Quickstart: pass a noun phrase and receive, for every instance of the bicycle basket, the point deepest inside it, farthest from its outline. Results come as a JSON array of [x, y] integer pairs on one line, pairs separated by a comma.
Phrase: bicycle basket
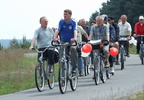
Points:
[[56, 56], [96, 44]]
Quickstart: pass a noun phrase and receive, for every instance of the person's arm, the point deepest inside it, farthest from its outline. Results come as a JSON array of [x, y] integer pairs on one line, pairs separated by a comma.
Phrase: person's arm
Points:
[[55, 38], [32, 44], [91, 33], [107, 33], [86, 36], [129, 29], [75, 33]]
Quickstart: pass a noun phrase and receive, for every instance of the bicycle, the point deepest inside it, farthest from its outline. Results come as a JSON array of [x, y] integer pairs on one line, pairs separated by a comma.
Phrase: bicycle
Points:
[[86, 61], [98, 61], [141, 51], [42, 74], [122, 41], [65, 69]]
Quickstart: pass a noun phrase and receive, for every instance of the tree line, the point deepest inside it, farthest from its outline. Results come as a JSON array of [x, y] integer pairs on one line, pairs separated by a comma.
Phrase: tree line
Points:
[[14, 44], [115, 8]]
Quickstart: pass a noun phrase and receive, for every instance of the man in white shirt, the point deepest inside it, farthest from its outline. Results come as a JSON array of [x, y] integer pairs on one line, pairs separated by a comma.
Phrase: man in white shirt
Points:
[[125, 30]]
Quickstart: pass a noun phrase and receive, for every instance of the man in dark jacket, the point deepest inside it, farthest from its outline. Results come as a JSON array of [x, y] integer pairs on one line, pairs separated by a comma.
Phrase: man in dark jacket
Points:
[[116, 27]]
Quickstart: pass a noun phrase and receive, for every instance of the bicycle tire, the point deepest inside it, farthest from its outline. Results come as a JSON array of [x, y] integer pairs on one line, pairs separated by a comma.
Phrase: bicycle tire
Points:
[[62, 77], [122, 58], [96, 71], [74, 80], [102, 71], [39, 77], [142, 55], [88, 66], [51, 78], [85, 66]]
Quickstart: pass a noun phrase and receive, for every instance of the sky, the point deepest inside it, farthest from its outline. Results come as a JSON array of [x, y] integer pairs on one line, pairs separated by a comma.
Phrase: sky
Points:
[[20, 18]]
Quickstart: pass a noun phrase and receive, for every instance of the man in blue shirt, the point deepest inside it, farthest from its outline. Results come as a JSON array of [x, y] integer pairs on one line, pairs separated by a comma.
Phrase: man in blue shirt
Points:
[[67, 29]]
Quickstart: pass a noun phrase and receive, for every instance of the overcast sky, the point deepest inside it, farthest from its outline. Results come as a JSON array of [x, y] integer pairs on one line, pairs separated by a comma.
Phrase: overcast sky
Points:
[[20, 18]]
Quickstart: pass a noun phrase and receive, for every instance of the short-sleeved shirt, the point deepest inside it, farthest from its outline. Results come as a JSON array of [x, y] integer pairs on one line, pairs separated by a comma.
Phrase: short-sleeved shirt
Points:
[[139, 28], [44, 37], [124, 28], [99, 33], [67, 29], [80, 32]]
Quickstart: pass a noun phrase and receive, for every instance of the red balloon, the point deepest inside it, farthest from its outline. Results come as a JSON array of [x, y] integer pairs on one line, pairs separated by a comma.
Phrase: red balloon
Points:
[[113, 51], [86, 48]]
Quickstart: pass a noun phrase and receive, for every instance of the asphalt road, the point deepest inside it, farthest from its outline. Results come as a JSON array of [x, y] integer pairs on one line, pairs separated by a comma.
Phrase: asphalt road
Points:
[[123, 83]]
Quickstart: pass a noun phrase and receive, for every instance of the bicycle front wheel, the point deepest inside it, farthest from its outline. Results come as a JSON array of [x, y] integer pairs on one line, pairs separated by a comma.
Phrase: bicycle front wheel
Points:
[[39, 77], [62, 77], [122, 58], [142, 55], [74, 80], [51, 78], [96, 71], [85, 65]]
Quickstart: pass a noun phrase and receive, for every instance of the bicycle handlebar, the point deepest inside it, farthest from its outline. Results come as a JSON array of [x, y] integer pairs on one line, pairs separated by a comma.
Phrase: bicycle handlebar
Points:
[[43, 50], [65, 43]]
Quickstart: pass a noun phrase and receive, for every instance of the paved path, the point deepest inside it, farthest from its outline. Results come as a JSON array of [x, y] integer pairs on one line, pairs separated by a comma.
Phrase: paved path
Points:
[[124, 82]]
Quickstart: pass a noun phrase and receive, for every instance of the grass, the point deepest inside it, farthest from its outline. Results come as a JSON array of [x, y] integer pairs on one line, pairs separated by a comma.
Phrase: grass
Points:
[[17, 71]]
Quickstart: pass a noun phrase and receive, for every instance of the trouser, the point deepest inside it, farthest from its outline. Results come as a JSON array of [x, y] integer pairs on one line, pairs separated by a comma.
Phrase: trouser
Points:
[[126, 44], [105, 52], [72, 51], [48, 55], [138, 43], [80, 64]]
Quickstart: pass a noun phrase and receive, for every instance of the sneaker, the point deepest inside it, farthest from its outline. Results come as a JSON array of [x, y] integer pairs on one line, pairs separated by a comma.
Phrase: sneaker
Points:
[[50, 69], [117, 63], [128, 55], [74, 70], [112, 69], [92, 67], [107, 64], [80, 73]]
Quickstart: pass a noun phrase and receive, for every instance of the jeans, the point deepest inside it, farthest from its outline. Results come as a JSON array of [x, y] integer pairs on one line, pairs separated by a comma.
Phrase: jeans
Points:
[[80, 64]]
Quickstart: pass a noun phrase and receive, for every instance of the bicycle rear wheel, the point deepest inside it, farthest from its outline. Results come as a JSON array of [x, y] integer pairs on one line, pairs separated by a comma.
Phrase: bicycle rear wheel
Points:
[[103, 71], [51, 78], [39, 77], [96, 71], [62, 77], [74, 80]]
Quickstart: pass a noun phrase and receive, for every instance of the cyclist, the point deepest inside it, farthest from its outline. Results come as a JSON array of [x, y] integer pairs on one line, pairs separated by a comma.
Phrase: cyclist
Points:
[[68, 32], [43, 36], [112, 34], [81, 32], [83, 24], [116, 27], [139, 30], [125, 30], [101, 31]]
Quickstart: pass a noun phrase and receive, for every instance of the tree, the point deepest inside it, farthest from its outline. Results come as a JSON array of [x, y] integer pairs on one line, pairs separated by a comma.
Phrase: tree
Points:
[[131, 8], [1, 47], [14, 44], [25, 43]]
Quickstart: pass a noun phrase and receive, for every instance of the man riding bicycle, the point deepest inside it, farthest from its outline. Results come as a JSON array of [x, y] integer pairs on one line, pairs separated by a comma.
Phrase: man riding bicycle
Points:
[[101, 31], [125, 30], [67, 29], [139, 30], [43, 36]]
